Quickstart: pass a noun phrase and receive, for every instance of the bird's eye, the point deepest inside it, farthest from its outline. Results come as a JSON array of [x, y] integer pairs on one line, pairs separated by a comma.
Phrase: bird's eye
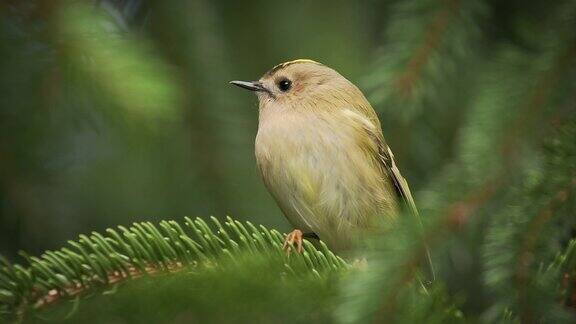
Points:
[[284, 85]]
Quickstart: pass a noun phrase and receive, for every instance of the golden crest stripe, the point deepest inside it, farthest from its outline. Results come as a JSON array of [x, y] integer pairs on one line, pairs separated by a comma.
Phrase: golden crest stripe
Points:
[[285, 64]]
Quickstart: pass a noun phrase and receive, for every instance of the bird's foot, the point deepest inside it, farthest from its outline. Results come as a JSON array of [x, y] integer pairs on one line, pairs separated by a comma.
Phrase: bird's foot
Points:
[[360, 264], [293, 238]]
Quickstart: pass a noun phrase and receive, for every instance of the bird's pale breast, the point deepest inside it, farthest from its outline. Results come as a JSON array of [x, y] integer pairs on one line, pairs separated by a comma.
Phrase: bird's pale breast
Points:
[[324, 174]]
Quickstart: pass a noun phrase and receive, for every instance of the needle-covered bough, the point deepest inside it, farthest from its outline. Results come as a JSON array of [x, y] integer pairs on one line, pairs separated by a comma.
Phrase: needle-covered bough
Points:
[[97, 261]]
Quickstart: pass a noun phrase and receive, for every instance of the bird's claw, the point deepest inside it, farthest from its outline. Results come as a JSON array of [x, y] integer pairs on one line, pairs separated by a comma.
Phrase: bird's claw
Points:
[[293, 238]]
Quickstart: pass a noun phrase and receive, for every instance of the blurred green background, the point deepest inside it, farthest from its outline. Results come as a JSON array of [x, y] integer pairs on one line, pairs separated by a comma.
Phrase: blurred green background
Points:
[[118, 111]]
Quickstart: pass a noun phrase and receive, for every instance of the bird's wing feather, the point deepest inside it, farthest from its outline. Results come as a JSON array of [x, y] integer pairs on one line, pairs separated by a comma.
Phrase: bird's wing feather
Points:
[[403, 190], [386, 159], [400, 184], [384, 154]]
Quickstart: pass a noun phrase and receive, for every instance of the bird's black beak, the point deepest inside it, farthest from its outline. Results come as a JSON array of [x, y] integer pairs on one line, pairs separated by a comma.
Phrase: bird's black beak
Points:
[[250, 85]]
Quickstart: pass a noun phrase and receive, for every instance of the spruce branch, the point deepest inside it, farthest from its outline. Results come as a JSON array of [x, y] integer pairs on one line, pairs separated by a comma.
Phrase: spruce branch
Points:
[[565, 264], [434, 32], [458, 213], [527, 245], [98, 261], [520, 239], [418, 67]]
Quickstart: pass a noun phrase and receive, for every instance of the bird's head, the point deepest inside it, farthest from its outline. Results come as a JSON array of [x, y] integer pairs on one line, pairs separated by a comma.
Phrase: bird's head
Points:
[[302, 84]]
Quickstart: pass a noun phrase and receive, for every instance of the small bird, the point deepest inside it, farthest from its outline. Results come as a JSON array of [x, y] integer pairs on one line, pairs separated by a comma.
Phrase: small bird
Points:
[[322, 155]]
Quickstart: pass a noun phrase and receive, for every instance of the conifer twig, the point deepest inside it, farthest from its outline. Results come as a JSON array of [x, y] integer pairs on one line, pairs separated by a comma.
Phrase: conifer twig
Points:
[[406, 81], [98, 261], [529, 240]]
